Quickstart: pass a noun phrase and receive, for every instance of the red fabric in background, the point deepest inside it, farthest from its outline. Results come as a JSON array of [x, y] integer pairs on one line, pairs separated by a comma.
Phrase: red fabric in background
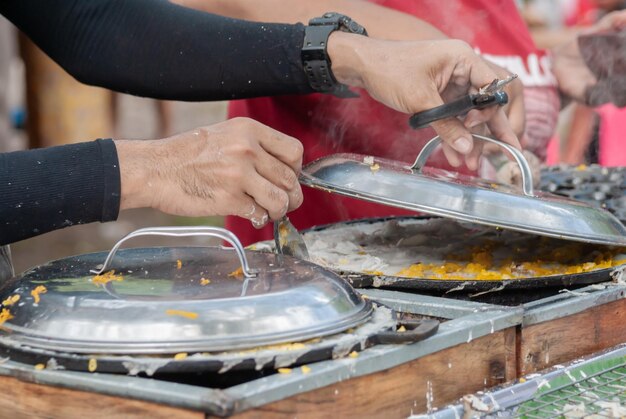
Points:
[[584, 14], [612, 129], [327, 125]]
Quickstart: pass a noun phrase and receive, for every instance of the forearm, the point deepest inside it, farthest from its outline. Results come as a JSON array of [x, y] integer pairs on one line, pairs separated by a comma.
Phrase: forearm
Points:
[[550, 38], [158, 49], [47, 189], [381, 22]]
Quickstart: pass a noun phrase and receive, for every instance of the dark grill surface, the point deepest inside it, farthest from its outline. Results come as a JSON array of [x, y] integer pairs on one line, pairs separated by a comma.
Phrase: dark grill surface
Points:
[[603, 187], [595, 394]]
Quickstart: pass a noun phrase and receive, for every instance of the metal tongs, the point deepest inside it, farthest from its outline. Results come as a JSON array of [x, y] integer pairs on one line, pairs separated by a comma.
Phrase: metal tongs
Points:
[[489, 95], [288, 240]]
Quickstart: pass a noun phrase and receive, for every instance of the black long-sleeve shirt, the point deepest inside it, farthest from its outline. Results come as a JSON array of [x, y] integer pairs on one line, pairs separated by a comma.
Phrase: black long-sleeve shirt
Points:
[[147, 48]]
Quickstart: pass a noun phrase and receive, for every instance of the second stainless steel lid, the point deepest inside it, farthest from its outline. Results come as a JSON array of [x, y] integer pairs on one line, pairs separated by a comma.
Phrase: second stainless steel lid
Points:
[[447, 194], [176, 299]]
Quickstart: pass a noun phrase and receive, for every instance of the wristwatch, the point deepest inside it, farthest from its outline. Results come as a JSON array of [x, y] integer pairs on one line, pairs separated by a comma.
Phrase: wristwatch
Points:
[[315, 59]]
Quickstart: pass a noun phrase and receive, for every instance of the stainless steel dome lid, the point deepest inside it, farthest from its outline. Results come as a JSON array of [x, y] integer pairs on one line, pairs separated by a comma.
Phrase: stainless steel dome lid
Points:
[[447, 194], [175, 299]]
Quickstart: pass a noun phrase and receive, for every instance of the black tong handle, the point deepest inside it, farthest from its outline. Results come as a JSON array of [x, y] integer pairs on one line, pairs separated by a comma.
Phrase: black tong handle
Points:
[[457, 108], [416, 330]]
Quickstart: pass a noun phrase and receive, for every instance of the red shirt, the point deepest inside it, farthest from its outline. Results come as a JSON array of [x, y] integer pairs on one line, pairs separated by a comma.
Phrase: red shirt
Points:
[[327, 125]]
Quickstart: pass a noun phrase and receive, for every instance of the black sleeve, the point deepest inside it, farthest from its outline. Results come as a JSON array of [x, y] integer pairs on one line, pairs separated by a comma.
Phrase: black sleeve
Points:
[[47, 189], [158, 49]]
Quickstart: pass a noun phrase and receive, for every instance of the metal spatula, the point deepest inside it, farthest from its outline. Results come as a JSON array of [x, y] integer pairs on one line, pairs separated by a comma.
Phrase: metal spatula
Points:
[[288, 240]]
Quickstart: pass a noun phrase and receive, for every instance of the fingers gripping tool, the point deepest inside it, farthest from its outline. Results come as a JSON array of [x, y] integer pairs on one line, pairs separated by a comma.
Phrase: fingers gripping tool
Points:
[[489, 95]]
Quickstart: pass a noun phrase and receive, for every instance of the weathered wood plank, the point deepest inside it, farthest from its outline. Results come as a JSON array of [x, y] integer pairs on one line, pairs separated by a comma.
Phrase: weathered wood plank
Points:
[[27, 400], [434, 380], [558, 341]]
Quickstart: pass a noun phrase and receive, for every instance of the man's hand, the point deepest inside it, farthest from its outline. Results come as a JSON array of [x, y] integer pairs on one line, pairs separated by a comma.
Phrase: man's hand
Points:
[[413, 76], [237, 167]]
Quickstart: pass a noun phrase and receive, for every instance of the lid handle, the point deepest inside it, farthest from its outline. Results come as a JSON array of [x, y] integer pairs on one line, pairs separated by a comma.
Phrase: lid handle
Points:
[[184, 232], [527, 177]]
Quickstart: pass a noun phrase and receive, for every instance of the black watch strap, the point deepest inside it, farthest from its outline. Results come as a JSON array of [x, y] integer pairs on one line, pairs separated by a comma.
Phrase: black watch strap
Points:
[[315, 59]]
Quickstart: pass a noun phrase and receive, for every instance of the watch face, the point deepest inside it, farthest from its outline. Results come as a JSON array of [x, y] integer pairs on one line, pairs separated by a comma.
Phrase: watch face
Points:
[[339, 22], [317, 65]]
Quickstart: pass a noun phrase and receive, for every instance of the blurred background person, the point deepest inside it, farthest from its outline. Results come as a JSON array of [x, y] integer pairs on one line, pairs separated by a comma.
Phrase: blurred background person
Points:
[[425, 69], [597, 134], [327, 125], [586, 134]]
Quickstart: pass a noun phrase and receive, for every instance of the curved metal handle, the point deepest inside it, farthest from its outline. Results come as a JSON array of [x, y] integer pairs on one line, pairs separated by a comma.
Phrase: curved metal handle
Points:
[[527, 177], [184, 232]]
